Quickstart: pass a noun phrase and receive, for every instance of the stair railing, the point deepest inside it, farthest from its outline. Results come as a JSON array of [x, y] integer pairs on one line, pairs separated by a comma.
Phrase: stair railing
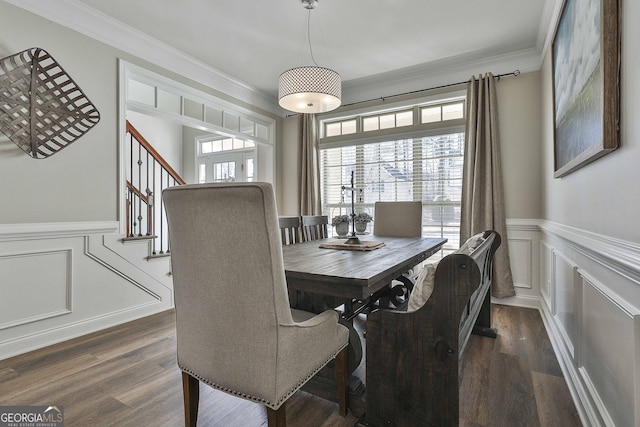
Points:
[[148, 173]]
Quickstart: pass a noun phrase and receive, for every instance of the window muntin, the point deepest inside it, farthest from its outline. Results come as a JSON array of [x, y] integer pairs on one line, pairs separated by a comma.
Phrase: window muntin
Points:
[[343, 127], [225, 144], [402, 117]]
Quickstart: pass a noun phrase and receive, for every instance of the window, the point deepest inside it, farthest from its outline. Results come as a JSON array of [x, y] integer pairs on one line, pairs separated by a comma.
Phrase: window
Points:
[[226, 144], [344, 127], [226, 160], [427, 166], [387, 121]]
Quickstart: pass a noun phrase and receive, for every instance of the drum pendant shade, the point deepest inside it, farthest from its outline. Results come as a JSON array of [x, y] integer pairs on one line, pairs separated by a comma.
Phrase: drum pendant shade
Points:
[[309, 89]]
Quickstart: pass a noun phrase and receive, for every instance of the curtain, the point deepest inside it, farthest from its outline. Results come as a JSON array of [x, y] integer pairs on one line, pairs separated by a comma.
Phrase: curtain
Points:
[[482, 190], [309, 167]]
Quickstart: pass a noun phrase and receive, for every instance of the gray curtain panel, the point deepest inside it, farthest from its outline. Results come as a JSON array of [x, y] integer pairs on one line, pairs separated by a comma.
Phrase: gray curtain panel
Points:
[[309, 167], [482, 190]]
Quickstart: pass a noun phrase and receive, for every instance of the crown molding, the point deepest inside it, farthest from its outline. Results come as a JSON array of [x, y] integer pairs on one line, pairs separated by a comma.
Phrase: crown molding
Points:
[[437, 73], [86, 20]]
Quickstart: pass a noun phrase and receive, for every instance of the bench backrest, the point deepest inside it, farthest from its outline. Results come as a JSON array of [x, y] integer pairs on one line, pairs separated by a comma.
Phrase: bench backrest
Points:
[[413, 357]]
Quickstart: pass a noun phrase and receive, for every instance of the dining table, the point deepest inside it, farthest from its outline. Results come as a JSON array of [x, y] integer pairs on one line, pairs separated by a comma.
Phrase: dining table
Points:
[[325, 273], [352, 273]]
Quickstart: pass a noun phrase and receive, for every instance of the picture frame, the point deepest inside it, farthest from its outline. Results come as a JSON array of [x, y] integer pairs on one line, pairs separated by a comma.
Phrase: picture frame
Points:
[[586, 83]]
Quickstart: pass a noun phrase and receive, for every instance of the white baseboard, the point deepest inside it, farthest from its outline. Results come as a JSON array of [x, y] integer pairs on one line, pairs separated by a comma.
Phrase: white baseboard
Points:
[[46, 338]]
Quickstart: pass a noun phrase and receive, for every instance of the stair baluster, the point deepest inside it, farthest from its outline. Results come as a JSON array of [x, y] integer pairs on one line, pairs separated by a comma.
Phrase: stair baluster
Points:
[[141, 200]]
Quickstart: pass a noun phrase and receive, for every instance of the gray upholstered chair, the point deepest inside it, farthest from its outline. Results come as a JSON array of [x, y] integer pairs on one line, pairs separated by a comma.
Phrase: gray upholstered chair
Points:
[[398, 219], [235, 330]]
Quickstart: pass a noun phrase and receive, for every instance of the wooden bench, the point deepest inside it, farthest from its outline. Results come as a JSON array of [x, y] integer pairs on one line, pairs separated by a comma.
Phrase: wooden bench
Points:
[[412, 358]]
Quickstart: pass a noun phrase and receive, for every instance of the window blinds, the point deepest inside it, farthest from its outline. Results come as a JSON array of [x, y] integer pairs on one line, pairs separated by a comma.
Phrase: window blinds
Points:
[[428, 169]]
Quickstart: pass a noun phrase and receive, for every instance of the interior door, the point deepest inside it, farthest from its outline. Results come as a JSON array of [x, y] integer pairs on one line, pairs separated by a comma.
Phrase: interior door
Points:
[[230, 167]]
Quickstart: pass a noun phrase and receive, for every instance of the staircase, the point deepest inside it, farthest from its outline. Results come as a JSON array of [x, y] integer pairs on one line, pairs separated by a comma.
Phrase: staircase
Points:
[[141, 255], [148, 173]]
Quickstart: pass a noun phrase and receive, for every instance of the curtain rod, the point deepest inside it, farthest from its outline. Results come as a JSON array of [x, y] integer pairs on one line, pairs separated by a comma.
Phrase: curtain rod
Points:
[[513, 73]]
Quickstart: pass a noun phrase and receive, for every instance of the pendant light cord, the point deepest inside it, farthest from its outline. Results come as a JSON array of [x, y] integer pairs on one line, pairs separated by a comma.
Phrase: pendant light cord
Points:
[[309, 37]]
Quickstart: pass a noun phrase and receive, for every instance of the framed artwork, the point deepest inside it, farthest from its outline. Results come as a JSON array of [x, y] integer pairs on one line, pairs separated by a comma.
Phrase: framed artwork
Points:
[[586, 83]]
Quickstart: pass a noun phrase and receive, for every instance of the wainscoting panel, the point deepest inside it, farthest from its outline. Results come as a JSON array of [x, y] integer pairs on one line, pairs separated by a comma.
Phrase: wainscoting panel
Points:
[[524, 252], [520, 251], [546, 265], [564, 305], [35, 286], [59, 281], [608, 358], [593, 320]]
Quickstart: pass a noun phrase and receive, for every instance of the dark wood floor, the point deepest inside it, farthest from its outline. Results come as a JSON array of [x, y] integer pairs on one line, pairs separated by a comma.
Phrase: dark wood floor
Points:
[[127, 376]]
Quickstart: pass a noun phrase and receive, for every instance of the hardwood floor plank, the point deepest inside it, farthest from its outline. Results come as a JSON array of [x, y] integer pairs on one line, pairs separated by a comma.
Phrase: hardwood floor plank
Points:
[[127, 376], [555, 408], [512, 401], [506, 323], [474, 399], [536, 343], [28, 385], [137, 395], [6, 374]]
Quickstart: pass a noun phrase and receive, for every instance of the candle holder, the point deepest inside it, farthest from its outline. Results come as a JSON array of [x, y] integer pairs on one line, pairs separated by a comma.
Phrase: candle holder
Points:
[[353, 238]]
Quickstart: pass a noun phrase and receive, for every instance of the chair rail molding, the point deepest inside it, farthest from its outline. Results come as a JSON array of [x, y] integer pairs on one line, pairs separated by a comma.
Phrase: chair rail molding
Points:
[[618, 255], [28, 231]]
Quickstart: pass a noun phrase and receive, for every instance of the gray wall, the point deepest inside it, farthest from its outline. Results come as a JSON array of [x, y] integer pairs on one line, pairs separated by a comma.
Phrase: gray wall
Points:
[[519, 123], [290, 167], [519, 108], [58, 189], [601, 197]]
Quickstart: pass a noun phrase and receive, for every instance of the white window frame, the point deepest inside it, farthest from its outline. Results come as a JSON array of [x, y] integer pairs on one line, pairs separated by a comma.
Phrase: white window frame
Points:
[[417, 130]]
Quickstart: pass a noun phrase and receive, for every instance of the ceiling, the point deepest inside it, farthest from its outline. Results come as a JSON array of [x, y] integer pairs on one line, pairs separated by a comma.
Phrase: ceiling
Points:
[[371, 44]]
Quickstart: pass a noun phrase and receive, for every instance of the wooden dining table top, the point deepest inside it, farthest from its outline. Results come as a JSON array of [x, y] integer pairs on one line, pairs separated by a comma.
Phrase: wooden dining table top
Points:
[[354, 273]]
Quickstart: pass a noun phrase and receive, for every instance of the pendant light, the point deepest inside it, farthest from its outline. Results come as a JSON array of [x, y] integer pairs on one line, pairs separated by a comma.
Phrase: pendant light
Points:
[[311, 88]]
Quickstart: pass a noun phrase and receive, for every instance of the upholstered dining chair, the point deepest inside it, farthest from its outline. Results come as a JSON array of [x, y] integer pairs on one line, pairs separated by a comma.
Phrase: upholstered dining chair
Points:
[[234, 328], [314, 227], [398, 219]]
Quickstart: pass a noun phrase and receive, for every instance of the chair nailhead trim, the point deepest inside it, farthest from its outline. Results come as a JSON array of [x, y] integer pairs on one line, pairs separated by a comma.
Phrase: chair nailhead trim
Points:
[[259, 399]]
